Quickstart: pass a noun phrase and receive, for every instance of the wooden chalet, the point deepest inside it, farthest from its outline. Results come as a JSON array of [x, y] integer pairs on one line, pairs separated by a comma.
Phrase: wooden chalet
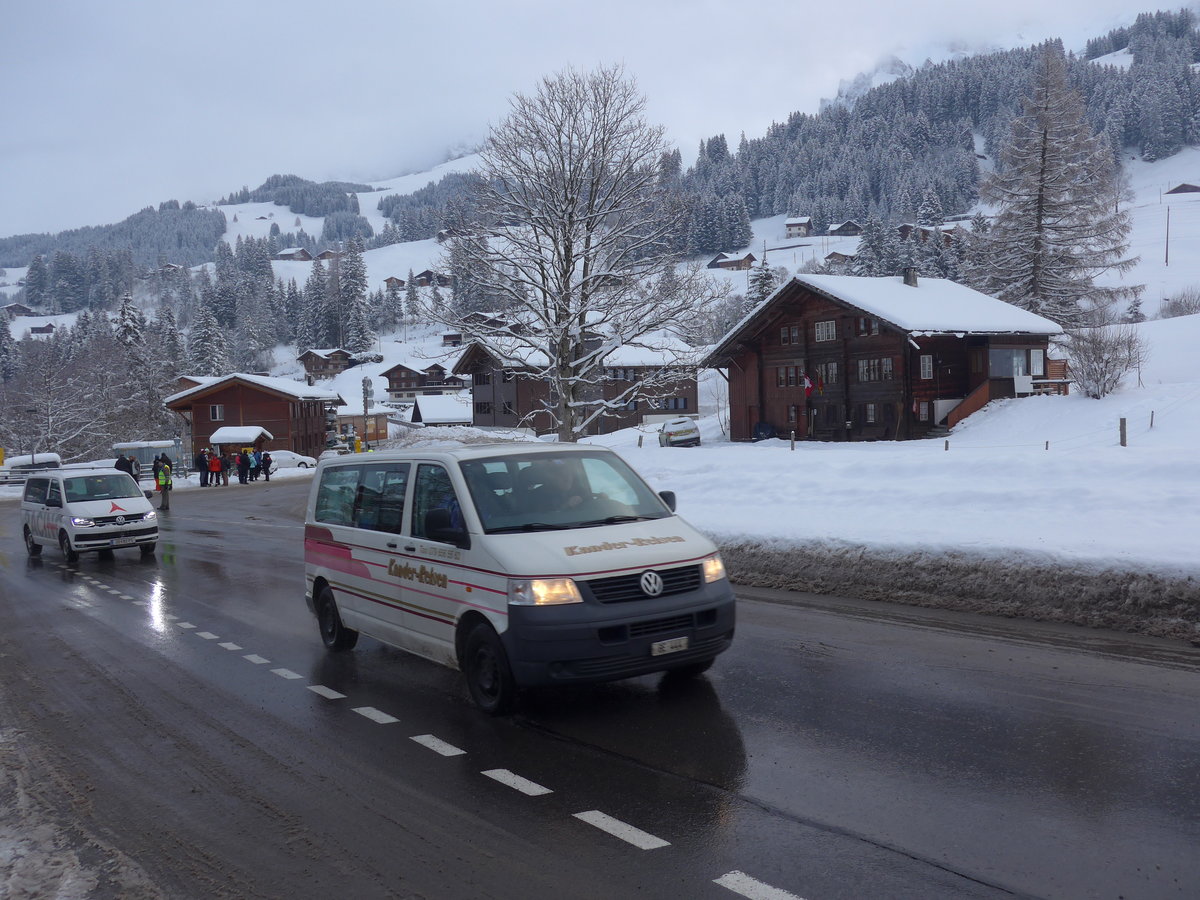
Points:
[[294, 413], [797, 226], [1184, 188], [429, 277], [294, 253], [509, 390], [738, 261], [13, 310], [923, 233], [329, 254], [409, 380], [325, 363], [845, 229], [394, 281], [839, 357]]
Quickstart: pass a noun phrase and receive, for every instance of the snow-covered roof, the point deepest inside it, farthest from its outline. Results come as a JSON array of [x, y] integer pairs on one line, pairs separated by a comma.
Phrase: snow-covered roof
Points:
[[443, 409], [325, 351], [288, 386], [659, 348], [239, 434], [798, 220], [933, 306]]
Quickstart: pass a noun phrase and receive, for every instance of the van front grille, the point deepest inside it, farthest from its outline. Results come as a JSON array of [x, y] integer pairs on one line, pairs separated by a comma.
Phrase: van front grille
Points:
[[624, 588]]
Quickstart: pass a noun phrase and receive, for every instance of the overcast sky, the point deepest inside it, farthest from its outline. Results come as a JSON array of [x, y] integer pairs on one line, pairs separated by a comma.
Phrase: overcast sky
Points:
[[109, 107]]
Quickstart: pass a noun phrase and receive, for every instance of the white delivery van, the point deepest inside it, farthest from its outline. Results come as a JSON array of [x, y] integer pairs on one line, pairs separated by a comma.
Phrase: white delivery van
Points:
[[82, 510], [520, 564]]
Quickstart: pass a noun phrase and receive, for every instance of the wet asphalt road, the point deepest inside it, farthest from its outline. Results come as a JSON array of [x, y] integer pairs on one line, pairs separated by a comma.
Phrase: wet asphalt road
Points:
[[180, 714]]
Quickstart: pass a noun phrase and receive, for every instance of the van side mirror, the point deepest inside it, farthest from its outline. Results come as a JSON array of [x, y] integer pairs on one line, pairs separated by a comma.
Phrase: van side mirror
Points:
[[668, 497], [438, 528], [149, 494]]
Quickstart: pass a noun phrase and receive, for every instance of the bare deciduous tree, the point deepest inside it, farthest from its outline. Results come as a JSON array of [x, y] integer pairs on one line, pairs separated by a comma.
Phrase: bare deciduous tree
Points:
[[1101, 356], [570, 236]]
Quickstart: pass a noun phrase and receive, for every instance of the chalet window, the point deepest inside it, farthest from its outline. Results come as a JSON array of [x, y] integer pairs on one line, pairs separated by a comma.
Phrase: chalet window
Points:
[[480, 378], [1037, 363], [791, 376], [216, 412], [826, 331], [483, 409], [887, 368], [631, 406], [1007, 362], [924, 411], [827, 373], [868, 325], [870, 413], [669, 403], [870, 369], [781, 376], [926, 366], [507, 408], [795, 334], [784, 335]]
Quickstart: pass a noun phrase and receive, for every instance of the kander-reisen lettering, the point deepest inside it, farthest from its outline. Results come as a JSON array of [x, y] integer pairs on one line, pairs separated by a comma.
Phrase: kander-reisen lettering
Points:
[[621, 545]]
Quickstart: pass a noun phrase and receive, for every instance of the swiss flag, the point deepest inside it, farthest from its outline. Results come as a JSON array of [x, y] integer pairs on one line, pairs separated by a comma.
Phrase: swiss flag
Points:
[[808, 386]]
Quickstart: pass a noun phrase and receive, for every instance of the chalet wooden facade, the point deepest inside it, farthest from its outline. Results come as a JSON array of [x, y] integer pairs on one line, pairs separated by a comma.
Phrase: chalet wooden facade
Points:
[[296, 415], [510, 392], [845, 229], [406, 381], [325, 363], [833, 357], [798, 226], [736, 261], [298, 254]]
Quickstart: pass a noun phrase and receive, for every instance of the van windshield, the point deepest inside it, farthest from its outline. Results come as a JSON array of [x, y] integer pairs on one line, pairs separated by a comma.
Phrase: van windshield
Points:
[[542, 491], [116, 486]]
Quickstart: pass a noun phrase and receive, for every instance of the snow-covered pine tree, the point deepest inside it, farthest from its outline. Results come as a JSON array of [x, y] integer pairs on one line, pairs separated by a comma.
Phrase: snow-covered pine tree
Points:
[[930, 212], [412, 299], [10, 360], [131, 325], [1058, 225], [762, 282], [207, 351]]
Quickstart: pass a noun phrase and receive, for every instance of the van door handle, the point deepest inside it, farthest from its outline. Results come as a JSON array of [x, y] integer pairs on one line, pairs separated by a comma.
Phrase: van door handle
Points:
[[391, 545], [410, 549]]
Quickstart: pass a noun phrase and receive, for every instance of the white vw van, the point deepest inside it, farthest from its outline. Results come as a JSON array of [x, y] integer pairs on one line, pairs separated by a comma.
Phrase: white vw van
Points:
[[520, 564], [80, 510]]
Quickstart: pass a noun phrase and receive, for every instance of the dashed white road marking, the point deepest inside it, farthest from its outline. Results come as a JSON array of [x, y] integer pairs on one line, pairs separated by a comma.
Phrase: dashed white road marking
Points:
[[286, 673], [327, 693], [375, 715], [207, 635], [619, 829], [229, 645], [185, 624], [140, 602], [741, 883], [256, 659], [127, 597], [112, 590], [437, 745], [516, 782]]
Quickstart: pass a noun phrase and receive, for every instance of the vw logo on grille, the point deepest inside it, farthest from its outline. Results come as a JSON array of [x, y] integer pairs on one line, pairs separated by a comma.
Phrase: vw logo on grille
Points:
[[120, 520], [652, 583]]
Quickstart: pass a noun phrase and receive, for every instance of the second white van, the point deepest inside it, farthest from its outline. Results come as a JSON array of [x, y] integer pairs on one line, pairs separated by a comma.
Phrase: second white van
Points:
[[519, 564]]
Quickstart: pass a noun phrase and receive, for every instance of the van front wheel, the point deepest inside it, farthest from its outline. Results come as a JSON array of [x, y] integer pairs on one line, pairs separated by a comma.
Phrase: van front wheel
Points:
[[335, 635], [68, 551], [489, 676], [32, 547]]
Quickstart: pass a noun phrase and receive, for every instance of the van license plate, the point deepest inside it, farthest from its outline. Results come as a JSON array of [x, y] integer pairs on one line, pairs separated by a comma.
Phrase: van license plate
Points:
[[121, 542], [658, 648]]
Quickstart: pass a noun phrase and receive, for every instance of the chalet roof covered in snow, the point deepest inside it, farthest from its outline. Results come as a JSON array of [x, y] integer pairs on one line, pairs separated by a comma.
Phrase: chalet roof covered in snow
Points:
[[442, 409], [287, 386], [243, 435]]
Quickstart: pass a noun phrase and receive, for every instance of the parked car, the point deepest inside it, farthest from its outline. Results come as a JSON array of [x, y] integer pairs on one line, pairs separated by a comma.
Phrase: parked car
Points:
[[681, 432], [286, 459], [334, 451]]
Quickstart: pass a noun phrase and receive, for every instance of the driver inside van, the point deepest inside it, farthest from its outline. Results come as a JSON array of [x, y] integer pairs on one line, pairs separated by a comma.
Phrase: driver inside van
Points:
[[556, 485]]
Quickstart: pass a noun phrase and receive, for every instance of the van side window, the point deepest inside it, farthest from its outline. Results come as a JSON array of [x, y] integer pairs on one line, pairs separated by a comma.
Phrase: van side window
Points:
[[35, 490], [335, 496], [433, 491], [379, 504], [54, 495]]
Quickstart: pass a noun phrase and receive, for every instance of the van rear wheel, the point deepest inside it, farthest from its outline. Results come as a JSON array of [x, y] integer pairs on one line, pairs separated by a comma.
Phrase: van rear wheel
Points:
[[489, 676], [64, 544], [334, 634], [32, 547]]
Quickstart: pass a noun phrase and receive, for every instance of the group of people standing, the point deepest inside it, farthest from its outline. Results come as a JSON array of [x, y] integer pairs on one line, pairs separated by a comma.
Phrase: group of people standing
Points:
[[214, 468]]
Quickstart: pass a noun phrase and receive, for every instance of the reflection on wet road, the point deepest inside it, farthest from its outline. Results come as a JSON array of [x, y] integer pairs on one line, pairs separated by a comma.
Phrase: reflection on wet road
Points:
[[840, 749]]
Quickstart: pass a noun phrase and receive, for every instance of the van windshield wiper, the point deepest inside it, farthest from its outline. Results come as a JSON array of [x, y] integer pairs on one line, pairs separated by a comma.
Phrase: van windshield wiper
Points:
[[613, 520], [529, 526]]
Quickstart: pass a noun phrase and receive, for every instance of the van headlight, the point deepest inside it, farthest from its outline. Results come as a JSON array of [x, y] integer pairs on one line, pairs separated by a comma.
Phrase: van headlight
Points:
[[543, 592], [82, 523], [150, 515], [714, 569]]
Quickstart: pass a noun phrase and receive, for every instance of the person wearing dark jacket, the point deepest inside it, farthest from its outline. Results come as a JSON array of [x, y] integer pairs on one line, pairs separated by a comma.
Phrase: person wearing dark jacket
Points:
[[124, 464], [265, 460], [202, 467], [243, 467]]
